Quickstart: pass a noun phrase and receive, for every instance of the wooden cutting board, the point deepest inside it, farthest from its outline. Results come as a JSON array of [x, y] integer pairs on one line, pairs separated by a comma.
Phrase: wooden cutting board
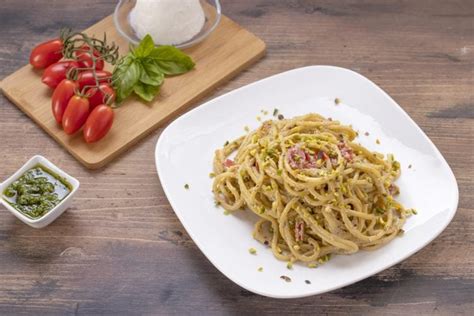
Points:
[[226, 52]]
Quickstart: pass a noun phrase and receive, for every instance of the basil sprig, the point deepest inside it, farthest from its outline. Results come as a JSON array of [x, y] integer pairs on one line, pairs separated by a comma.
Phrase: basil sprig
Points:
[[142, 71]]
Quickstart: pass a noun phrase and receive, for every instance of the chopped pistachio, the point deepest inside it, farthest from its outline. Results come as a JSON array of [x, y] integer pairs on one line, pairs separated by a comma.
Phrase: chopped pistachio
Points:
[[247, 129], [212, 175], [377, 141], [289, 265], [259, 118], [260, 269], [379, 210], [226, 212], [312, 265], [252, 251], [337, 101], [396, 165]]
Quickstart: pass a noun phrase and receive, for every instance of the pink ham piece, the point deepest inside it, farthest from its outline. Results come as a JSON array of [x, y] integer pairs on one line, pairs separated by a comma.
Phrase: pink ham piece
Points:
[[300, 159], [228, 163], [299, 231], [346, 151]]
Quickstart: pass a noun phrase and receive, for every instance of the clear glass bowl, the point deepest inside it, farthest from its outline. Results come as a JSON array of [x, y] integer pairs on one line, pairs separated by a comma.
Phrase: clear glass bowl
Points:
[[212, 12]]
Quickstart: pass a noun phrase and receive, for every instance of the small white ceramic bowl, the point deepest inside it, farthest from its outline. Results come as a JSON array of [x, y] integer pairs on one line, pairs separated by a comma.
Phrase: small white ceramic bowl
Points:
[[49, 217]]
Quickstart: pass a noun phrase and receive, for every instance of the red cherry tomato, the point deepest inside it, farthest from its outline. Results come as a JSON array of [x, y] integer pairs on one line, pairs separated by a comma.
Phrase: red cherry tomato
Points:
[[55, 73], [84, 58], [61, 96], [76, 114], [86, 78], [46, 53], [98, 123], [101, 96]]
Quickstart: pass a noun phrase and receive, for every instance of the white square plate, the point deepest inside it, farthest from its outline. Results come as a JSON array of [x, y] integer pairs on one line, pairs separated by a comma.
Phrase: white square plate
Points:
[[185, 151]]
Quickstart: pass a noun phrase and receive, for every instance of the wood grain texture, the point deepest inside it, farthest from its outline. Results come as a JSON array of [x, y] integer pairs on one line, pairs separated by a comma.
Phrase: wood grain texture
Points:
[[121, 249], [228, 50]]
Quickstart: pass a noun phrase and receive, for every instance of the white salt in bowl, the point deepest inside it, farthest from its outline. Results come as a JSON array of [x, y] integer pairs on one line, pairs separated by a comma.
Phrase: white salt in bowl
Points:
[[212, 13]]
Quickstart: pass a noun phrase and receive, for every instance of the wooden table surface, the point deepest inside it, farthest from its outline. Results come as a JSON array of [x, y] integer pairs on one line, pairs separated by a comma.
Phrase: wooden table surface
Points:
[[121, 250]]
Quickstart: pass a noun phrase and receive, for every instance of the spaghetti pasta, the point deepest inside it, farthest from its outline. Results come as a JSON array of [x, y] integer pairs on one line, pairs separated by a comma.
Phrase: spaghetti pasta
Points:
[[316, 192]]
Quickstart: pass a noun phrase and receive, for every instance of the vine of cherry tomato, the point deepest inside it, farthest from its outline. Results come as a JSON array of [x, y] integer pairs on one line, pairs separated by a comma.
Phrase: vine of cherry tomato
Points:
[[82, 88]]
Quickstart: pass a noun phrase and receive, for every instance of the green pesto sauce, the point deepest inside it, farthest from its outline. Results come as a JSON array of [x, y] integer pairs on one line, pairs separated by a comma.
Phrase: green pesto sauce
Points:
[[37, 191]]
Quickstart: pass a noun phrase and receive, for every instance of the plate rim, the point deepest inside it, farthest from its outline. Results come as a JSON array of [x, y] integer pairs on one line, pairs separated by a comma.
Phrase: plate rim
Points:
[[200, 107]]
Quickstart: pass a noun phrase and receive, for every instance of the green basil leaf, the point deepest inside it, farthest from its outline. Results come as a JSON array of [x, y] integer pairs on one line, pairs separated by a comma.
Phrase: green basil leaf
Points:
[[145, 47], [145, 91], [151, 74], [126, 75], [170, 60]]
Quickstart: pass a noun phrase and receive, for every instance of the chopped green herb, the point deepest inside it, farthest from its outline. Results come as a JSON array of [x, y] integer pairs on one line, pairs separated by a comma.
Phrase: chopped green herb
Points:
[[275, 112], [186, 186], [226, 143]]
